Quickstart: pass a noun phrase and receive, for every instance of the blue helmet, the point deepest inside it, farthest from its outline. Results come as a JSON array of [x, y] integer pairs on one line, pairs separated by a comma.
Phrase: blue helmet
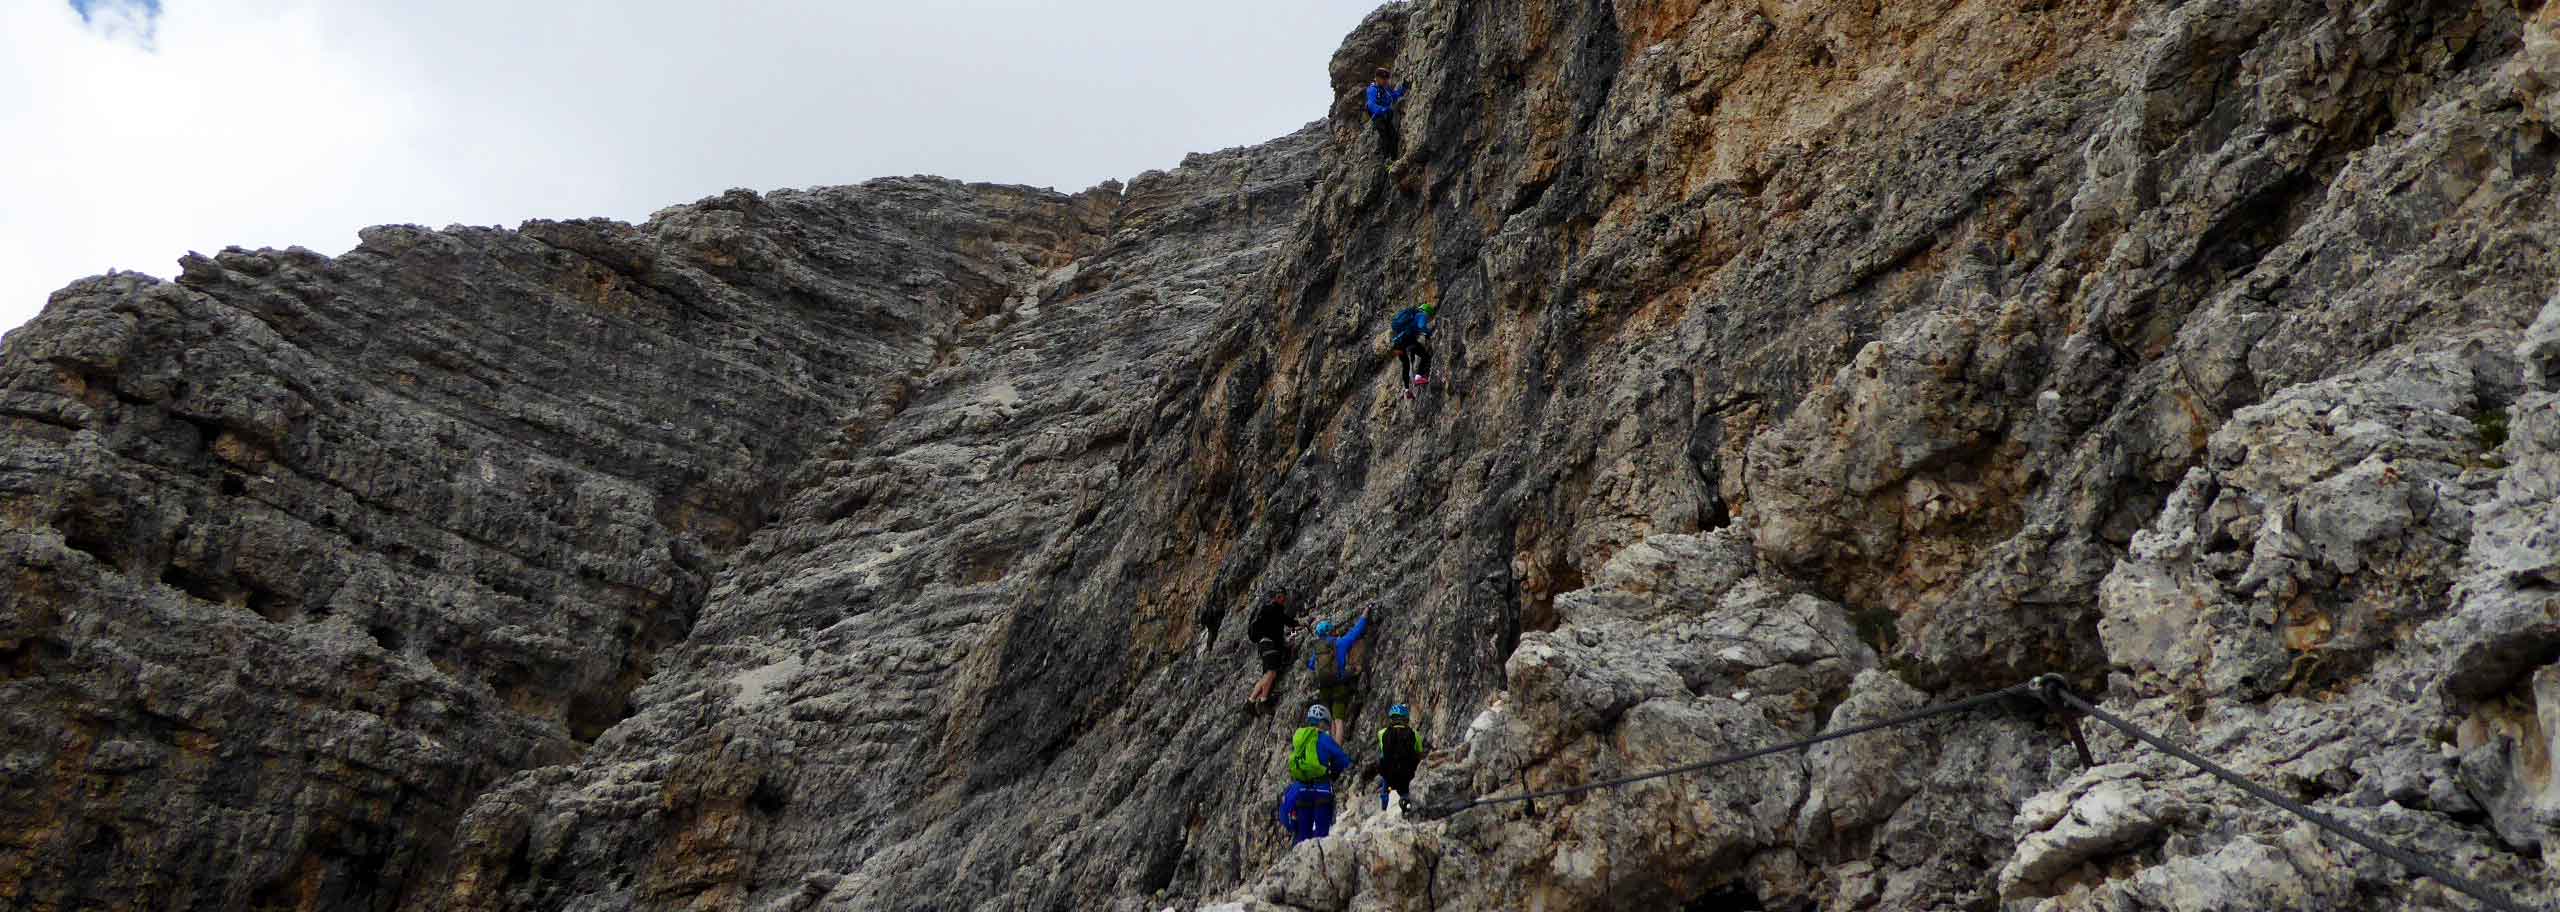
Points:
[[1399, 712], [1324, 628]]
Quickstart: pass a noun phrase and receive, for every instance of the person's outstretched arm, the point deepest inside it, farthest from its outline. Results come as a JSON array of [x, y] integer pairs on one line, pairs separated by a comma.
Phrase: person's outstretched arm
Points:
[[1348, 651], [1331, 753]]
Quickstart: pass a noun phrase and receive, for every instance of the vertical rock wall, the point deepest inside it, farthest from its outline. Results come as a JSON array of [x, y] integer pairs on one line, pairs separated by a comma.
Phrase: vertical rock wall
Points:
[[307, 552], [1800, 364], [1927, 314]]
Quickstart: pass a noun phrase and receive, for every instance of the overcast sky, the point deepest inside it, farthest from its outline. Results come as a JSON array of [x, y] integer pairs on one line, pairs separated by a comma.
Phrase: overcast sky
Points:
[[136, 130]]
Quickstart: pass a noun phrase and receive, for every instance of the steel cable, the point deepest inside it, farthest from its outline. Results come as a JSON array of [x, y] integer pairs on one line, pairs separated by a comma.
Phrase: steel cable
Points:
[[1903, 719], [2407, 860], [2050, 690]]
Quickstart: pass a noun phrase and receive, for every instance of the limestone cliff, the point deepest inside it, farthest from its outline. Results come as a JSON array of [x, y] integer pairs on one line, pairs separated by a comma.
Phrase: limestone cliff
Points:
[[889, 546]]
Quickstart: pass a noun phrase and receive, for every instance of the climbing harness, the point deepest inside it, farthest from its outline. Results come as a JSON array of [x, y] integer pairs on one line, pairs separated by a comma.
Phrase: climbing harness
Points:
[[2068, 708]]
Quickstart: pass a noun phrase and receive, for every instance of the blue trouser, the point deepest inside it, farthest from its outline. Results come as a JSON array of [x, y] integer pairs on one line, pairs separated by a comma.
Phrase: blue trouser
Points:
[[1306, 810]]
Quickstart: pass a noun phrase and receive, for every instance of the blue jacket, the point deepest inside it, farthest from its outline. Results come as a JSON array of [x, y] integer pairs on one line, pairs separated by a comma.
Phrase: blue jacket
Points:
[[1331, 752], [1335, 759], [1383, 100], [1342, 650], [1421, 323]]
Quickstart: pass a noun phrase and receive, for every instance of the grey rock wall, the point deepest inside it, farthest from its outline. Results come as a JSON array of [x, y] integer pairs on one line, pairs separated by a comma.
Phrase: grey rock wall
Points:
[[837, 725], [890, 547], [307, 552]]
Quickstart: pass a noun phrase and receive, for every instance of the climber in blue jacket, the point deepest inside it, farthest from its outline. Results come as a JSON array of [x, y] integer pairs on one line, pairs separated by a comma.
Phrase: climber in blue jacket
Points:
[[1382, 113], [1306, 807], [1338, 680], [1405, 335]]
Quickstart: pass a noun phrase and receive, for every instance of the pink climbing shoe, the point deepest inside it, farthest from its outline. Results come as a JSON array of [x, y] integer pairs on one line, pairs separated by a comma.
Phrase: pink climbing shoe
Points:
[[1420, 380]]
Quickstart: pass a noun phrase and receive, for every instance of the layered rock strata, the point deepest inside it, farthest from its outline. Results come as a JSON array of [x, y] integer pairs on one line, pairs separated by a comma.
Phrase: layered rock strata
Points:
[[1800, 365]]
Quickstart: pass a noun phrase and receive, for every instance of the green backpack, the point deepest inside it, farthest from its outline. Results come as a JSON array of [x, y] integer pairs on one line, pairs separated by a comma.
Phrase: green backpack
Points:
[[1305, 765]]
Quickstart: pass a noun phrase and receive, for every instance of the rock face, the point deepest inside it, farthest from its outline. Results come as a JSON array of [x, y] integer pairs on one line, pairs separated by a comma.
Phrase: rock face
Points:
[[308, 552], [1800, 365]]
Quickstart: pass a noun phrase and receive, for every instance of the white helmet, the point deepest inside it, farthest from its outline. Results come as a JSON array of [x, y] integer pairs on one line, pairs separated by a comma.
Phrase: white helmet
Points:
[[1316, 715]]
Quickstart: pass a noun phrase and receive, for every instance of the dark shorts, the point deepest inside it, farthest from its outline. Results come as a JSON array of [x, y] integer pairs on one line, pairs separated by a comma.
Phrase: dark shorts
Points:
[[1338, 698], [1274, 656]]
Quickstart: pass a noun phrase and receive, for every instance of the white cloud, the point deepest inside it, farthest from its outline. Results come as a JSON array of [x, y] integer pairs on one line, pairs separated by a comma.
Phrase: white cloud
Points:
[[279, 122], [129, 21]]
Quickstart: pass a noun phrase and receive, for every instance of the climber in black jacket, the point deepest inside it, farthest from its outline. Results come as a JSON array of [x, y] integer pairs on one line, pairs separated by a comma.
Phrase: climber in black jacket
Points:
[[1400, 751], [1269, 631]]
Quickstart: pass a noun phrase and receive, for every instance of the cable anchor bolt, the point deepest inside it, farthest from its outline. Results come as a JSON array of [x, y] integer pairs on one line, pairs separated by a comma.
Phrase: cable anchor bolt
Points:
[[2049, 689]]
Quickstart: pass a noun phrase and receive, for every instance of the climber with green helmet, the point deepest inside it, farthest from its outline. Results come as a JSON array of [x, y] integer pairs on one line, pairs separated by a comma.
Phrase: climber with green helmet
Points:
[[1306, 807], [1399, 755], [1405, 335], [1337, 670]]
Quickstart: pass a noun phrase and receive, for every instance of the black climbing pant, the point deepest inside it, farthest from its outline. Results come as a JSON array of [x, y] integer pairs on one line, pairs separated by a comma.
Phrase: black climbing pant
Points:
[[1390, 143], [1414, 358]]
